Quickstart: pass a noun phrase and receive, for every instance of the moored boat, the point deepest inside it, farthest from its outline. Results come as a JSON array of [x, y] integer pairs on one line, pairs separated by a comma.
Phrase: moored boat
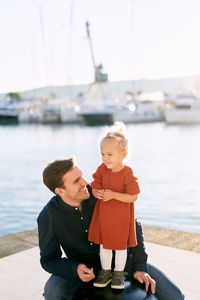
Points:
[[182, 110], [98, 115], [8, 113]]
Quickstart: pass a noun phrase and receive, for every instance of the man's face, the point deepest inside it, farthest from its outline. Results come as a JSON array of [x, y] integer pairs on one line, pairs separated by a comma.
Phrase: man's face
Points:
[[74, 189]]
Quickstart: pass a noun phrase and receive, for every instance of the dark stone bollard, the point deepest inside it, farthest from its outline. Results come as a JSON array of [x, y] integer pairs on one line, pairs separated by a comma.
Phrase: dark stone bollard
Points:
[[131, 292]]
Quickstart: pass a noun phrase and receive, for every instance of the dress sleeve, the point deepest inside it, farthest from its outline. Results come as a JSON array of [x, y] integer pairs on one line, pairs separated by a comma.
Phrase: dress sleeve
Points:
[[97, 176], [131, 183]]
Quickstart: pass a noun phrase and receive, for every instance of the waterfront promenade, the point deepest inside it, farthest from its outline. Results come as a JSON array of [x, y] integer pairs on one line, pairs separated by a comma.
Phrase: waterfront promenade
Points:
[[21, 276]]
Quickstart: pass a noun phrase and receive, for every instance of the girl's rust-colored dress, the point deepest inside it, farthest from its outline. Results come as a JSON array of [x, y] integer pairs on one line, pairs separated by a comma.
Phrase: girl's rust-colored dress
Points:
[[113, 221]]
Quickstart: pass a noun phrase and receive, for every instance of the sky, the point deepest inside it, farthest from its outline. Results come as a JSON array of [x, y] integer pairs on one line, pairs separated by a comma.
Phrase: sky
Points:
[[44, 42]]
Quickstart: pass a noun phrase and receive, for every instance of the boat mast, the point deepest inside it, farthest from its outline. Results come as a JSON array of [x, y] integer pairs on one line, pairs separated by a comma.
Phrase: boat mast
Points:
[[44, 47]]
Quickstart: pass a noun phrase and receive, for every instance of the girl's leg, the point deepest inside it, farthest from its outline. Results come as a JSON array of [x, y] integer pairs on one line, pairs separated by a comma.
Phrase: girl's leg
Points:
[[105, 275], [106, 258], [118, 274], [120, 259]]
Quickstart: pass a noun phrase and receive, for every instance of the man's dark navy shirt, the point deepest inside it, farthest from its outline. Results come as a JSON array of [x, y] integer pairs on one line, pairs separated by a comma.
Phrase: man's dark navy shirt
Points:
[[61, 226]]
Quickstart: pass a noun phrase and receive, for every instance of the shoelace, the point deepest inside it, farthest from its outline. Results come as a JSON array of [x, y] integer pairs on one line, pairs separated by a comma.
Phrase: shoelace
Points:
[[103, 274], [121, 275]]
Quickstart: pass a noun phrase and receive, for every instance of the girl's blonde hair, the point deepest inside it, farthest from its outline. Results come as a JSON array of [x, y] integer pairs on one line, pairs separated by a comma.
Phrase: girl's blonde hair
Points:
[[117, 132]]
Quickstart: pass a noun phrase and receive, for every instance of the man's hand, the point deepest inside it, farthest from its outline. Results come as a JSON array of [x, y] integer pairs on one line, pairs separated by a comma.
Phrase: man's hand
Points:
[[145, 278], [108, 195], [85, 273]]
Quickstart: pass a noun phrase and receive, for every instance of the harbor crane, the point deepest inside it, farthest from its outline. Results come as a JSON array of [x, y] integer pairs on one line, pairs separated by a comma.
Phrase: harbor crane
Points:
[[98, 69]]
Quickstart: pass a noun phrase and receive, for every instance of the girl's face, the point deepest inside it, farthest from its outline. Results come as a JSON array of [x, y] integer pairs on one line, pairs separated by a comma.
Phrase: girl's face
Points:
[[112, 155]]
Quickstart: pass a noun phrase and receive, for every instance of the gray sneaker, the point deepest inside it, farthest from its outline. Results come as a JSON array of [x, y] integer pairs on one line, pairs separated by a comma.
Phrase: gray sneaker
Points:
[[118, 280], [103, 279]]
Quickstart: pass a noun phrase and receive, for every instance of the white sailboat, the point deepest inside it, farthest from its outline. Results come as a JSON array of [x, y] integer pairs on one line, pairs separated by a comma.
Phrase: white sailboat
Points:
[[137, 112], [182, 110]]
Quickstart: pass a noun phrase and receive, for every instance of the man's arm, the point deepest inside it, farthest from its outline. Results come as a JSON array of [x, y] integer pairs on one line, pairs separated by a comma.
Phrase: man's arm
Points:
[[138, 253], [139, 256], [50, 251]]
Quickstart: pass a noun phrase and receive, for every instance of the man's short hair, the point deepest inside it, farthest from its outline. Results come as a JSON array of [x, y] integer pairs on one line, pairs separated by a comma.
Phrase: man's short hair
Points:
[[54, 172]]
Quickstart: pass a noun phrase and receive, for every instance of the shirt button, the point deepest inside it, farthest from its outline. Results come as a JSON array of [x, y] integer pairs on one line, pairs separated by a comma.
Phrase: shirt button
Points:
[[81, 218], [86, 230], [76, 208], [91, 244]]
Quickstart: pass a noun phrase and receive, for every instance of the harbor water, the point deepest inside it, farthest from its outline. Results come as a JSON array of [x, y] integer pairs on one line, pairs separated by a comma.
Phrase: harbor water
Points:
[[166, 159]]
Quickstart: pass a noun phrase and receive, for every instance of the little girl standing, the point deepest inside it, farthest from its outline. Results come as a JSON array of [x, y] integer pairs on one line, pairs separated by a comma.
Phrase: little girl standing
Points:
[[113, 221]]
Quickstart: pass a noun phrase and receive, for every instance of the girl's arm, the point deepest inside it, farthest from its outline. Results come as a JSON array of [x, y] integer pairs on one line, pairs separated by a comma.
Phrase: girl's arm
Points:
[[108, 195]]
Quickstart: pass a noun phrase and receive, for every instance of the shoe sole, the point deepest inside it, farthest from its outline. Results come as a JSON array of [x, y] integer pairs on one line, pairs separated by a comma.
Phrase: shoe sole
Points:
[[102, 284], [117, 287]]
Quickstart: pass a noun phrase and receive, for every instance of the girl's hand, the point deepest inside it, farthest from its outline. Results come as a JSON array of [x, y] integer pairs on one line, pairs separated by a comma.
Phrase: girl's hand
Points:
[[108, 195], [100, 194]]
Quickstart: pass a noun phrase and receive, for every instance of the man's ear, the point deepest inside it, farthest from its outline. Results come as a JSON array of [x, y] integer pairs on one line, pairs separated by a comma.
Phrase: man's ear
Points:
[[58, 191]]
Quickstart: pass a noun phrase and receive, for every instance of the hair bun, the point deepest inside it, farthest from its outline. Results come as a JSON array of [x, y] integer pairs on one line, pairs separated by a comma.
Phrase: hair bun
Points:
[[119, 127]]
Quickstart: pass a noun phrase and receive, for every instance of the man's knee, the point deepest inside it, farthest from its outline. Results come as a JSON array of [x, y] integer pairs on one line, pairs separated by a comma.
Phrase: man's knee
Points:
[[165, 288], [57, 288], [53, 288]]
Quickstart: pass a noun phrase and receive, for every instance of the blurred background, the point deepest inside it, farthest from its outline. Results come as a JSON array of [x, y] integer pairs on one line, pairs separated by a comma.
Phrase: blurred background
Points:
[[69, 68]]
